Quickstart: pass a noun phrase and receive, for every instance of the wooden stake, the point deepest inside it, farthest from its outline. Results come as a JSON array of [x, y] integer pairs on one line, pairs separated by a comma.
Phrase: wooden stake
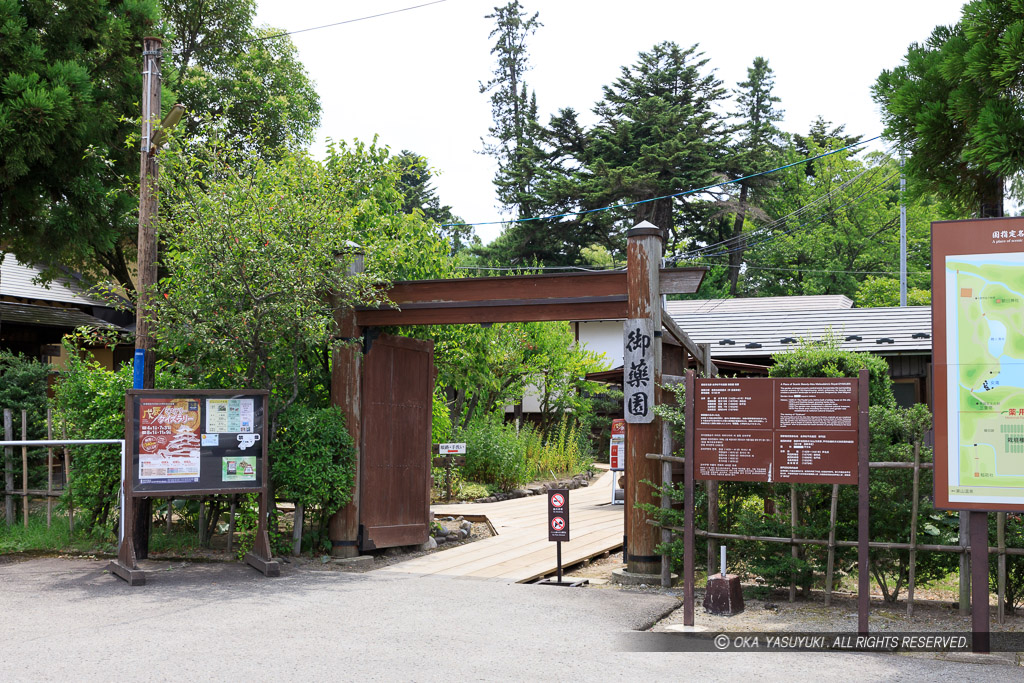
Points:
[[666, 502], [965, 566], [794, 550], [231, 521], [67, 479], [8, 469], [688, 507], [915, 503], [830, 568], [297, 531], [1001, 576]]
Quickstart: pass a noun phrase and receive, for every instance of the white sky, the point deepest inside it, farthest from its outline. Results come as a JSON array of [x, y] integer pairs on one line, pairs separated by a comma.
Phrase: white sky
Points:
[[413, 78]]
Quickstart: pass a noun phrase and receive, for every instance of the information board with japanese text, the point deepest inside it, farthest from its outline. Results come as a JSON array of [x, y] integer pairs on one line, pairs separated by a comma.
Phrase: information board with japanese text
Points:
[[800, 430], [196, 442]]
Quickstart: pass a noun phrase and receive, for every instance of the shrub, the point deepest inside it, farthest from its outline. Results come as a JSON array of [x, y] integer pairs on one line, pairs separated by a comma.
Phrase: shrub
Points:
[[89, 403], [312, 461], [494, 454]]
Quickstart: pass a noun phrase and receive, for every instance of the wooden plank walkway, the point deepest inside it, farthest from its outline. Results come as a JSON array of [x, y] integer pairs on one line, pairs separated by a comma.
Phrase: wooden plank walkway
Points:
[[520, 551]]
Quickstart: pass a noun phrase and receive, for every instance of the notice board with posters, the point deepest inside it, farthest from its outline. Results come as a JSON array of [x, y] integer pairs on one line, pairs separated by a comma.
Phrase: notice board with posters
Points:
[[978, 363], [193, 442], [196, 442], [786, 429]]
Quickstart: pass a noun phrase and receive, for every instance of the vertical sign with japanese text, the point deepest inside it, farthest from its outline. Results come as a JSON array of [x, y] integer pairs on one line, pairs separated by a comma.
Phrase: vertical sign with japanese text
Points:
[[638, 370]]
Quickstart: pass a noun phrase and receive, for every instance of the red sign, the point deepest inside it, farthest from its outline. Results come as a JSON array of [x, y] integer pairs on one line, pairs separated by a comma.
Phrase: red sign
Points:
[[801, 430], [618, 428]]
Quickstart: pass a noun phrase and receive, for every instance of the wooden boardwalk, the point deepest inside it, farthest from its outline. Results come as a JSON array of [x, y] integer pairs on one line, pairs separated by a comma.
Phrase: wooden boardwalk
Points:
[[520, 551]]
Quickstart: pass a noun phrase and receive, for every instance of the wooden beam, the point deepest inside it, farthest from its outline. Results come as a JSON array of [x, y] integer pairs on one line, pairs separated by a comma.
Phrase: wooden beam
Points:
[[695, 350], [516, 298], [681, 280], [605, 308]]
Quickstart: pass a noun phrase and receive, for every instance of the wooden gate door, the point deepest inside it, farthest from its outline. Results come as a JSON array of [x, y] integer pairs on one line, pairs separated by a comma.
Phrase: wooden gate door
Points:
[[398, 387]]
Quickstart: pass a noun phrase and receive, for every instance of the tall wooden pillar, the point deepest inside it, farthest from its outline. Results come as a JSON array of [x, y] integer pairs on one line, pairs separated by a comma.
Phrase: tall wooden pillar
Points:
[[643, 435], [347, 394]]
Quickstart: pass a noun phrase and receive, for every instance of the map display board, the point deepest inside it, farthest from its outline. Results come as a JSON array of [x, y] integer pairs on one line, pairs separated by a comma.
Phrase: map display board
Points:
[[799, 430], [195, 441], [978, 333]]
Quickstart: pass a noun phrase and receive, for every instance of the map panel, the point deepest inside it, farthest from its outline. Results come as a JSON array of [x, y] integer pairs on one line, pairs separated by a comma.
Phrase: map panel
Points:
[[985, 379]]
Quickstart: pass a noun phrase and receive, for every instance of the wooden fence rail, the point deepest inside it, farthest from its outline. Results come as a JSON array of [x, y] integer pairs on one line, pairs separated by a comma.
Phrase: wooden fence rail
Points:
[[1000, 549]]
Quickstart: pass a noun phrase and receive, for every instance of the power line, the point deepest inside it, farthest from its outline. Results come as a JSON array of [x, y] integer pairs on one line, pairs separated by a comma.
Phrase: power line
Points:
[[341, 23], [669, 196], [849, 272], [859, 197], [778, 221]]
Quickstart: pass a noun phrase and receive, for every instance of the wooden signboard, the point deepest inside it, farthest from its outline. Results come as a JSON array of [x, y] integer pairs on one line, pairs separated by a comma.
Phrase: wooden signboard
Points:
[[191, 443], [812, 430], [638, 368], [799, 430]]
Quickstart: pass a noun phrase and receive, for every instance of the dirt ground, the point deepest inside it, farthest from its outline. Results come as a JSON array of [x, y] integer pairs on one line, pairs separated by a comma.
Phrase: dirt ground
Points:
[[935, 610]]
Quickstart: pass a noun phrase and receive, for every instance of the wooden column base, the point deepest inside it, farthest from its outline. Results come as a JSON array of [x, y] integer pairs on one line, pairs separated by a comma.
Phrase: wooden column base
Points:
[[134, 576], [268, 567]]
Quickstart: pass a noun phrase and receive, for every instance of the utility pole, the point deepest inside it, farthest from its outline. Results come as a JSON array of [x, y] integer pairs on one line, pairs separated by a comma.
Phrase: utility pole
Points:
[[903, 235], [146, 260]]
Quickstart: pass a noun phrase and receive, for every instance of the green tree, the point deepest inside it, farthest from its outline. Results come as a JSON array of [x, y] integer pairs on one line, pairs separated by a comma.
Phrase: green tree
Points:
[[419, 194], [250, 79], [255, 254], [757, 145], [658, 132], [513, 108], [885, 291], [69, 91], [835, 228], [954, 105]]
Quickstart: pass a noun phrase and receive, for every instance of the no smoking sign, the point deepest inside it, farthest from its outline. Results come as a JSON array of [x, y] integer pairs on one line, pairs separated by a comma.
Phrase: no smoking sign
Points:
[[558, 515]]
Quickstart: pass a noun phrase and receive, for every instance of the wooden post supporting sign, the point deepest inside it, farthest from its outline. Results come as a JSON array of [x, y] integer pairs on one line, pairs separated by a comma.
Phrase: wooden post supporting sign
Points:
[[642, 369]]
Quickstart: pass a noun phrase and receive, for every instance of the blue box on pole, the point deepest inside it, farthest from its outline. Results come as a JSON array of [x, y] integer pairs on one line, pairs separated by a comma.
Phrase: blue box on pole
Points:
[[139, 368]]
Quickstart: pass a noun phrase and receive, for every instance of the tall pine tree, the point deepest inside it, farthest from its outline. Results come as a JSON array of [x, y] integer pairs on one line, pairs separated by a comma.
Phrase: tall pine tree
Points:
[[658, 133], [757, 145], [955, 106], [513, 108]]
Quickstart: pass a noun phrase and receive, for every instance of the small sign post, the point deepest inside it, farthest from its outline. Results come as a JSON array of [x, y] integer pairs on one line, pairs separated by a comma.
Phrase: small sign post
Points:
[[558, 531], [448, 457]]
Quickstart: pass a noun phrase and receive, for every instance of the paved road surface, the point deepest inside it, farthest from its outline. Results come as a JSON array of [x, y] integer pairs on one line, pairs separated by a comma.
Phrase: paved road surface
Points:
[[68, 620]]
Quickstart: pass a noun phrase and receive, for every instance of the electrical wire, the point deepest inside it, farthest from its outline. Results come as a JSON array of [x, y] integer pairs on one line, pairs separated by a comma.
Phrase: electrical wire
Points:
[[778, 221], [839, 272], [853, 200], [668, 196], [341, 23]]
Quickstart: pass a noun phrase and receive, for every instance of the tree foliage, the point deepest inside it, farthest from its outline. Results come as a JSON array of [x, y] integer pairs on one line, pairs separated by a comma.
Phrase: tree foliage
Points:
[[70, 85], [955, 106], [513, 108], [69, 91], [256, 252], [249, 79]]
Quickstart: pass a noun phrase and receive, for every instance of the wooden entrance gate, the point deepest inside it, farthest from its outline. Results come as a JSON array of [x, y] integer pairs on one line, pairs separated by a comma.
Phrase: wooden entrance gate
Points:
[[395, 470]]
